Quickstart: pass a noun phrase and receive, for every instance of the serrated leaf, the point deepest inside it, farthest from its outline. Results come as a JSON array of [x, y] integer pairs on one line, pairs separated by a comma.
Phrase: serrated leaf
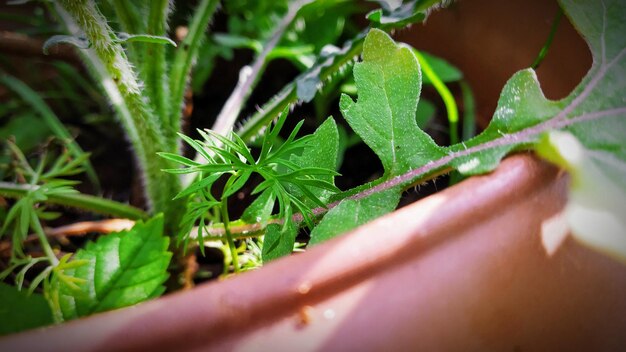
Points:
[[351, 213], [122, 269], [278, 241], [389, 84], [20, 311]]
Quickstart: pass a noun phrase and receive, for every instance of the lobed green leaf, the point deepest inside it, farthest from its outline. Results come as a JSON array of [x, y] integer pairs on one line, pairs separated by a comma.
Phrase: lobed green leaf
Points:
[[389, 84]]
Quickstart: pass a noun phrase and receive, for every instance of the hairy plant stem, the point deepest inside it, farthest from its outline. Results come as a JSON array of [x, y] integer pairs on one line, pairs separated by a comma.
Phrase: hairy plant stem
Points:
[[111, 67], [77, 200], [131, 21]]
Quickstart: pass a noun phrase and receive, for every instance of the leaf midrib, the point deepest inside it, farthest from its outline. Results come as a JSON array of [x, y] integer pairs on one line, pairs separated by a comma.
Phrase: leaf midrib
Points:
[[559, 121], [111, 284]]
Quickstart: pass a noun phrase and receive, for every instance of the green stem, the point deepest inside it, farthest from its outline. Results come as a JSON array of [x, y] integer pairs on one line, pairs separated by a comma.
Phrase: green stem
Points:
[[153, 63], [111, 67], [229, 236], [324, 70], [77, 200], [247, 81], [128, 16], [43, 240], [288, 95], [469, 111], [544, 50], [446, 95], [131, 22], [185, 55]]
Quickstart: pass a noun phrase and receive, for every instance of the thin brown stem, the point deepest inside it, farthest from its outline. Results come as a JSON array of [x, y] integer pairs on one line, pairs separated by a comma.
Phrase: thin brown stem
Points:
[[75, 229]]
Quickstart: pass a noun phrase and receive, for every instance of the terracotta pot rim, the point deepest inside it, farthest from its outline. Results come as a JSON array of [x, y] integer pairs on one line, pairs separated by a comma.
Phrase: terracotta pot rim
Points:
[[238, 311]]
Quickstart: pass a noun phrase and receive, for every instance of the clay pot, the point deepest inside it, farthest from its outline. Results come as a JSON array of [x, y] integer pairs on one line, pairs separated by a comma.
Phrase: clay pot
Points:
[[464, 269]]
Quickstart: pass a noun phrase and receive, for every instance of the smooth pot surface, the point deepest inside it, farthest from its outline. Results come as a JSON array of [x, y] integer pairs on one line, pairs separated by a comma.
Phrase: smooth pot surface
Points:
[[464, 269]]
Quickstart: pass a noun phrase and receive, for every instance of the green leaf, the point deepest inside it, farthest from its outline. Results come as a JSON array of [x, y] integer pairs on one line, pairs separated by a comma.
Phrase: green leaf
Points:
[[50, 119], [260, 210], [123, 269], [178, 159], [521, 104], [80, 43], [25, 138], [144, 38], [321, 152], [329, 63], [238, 41], [278, 241], [594, 113], [20, 311], [351, 213], [396, 15], [389, 84]]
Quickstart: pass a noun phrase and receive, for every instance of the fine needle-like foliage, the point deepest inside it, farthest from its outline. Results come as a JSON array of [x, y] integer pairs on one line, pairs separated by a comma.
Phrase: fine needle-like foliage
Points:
[[285, 181], [288, 176]]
